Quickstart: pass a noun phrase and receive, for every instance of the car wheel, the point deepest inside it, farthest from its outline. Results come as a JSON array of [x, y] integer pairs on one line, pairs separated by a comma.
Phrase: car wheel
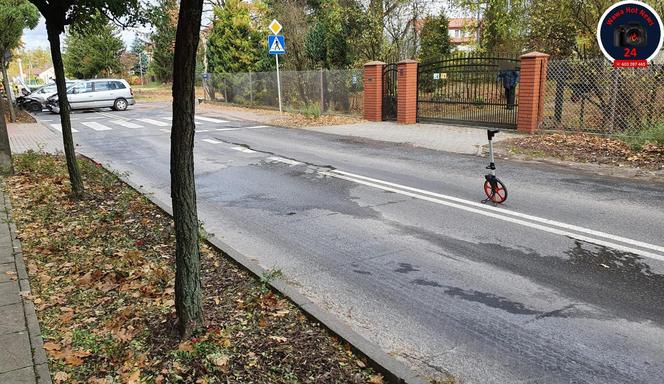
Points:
[[120, 105], [34, 107]]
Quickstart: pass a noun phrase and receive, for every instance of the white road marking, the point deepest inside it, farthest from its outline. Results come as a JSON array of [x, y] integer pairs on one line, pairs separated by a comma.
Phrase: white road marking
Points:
[[512, 213], [201, 118], [202, 130], [211, 120], [241, 128], [155, 122], [165, 130], [283, 160], [212, 141], [58, 127], [126, 123], [46, 119], [501, 215], [111, 115], [243, 149], [96, 126]]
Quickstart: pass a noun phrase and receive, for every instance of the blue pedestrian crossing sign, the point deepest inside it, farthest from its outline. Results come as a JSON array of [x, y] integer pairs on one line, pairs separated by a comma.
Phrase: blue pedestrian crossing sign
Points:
[[276, 45]]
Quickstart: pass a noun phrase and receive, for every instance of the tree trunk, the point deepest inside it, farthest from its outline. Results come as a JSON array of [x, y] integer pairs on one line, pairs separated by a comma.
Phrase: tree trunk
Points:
[[68, 141], [5, 81], [183, 187], [5, 150]]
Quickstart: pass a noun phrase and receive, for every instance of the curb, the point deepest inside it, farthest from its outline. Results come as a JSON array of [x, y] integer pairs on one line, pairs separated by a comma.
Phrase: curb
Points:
[[393, 371], [39, 359]]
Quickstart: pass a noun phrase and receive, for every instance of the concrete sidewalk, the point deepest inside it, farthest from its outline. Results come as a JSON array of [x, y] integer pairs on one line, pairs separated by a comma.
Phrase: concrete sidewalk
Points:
[[23, 137], [22, 356], [441, 137]]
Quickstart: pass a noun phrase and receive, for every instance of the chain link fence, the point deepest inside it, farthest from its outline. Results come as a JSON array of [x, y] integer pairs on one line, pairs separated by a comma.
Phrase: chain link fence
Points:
[[311, 92], [592, 96]]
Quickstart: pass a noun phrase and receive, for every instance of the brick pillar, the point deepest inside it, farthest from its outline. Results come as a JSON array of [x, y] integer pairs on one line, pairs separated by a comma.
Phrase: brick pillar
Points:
[[407, 92], [531, 91], [373, 91]]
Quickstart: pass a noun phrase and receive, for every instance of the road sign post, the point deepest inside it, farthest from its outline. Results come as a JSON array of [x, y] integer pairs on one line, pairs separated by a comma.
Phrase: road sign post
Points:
[[276, 57], [276, 46]]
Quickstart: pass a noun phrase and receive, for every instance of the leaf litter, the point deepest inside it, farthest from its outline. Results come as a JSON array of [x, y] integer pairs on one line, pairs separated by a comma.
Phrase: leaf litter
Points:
[[102, 277]]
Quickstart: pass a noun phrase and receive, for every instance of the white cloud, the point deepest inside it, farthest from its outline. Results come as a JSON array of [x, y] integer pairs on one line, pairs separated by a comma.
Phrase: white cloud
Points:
[[37, 38]]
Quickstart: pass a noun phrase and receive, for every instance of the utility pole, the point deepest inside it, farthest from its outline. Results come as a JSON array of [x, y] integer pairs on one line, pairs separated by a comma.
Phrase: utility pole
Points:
[[140, 66]]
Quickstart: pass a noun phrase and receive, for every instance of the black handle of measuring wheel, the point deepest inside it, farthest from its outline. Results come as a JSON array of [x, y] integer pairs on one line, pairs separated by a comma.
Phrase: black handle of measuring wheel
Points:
[[491, 133]]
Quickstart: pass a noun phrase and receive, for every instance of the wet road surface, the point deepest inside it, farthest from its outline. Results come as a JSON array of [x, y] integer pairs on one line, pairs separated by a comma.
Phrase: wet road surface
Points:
[[563, 284]]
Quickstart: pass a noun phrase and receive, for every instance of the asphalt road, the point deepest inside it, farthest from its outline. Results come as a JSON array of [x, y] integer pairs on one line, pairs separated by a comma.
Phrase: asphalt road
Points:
[[562, 284]]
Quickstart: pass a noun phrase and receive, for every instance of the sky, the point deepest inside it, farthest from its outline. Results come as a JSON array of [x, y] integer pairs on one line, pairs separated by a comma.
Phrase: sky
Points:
[[37, 38]]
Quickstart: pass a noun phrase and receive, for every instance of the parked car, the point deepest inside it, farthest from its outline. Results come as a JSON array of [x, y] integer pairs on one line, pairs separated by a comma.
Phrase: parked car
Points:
[[36, 100], [96, 93]]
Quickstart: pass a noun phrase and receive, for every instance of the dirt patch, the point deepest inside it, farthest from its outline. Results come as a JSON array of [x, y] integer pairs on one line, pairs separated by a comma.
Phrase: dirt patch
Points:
[[585, 148], [21, 115], [102, 273], [157, 92], [298, 120], [285, 119]]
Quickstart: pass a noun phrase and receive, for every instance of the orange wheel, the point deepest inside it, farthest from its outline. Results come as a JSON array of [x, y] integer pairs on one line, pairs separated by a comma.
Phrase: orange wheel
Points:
[[499, 195]]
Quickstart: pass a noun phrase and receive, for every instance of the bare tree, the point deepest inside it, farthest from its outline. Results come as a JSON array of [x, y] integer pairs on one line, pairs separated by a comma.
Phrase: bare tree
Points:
[[183, 187]]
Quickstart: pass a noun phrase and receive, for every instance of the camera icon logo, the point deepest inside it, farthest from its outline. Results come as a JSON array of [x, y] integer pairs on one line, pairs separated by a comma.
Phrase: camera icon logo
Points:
[[630, 34]]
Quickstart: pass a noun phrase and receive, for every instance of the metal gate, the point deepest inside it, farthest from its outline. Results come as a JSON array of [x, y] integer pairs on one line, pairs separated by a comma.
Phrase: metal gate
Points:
[[390, 92], [468, 89]]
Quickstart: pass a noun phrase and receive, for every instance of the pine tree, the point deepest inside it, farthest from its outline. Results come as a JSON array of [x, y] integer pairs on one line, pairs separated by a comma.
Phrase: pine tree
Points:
[[435, 40], [164, 18], [236, 43], [95, 53]]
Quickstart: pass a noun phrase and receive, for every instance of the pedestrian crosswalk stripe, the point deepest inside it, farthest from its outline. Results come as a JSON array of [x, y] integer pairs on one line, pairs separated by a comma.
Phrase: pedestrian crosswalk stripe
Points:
[[241, 128], [211, 120], [127, 124], [58, 127], [243, 149], [165, 130], [212, 141], [200, 118], [155, 122], [96, 126]]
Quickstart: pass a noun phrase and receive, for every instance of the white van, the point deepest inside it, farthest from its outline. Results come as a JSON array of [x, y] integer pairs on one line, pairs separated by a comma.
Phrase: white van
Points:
[[96, 93]]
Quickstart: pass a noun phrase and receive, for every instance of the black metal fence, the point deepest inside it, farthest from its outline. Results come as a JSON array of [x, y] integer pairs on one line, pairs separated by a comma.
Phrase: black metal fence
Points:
[[390, 92], [469, 89]]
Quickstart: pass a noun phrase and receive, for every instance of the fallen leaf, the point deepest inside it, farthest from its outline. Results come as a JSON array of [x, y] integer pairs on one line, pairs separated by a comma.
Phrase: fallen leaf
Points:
[[280, 339], [281, 313], [360, 363], [134, 378], [51, 346], [185, 346], [218, 359], [376, 379], [123, 335], [60, 377], [73, 360]]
